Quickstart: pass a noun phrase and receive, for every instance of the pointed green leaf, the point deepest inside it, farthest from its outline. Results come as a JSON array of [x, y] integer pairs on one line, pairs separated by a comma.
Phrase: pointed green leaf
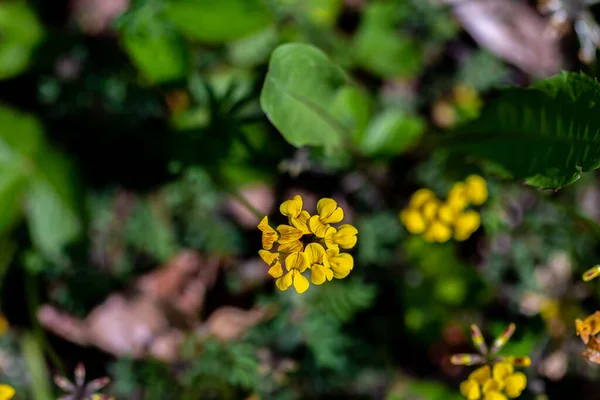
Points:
[[299, 91], [547, 134], [390, 133]]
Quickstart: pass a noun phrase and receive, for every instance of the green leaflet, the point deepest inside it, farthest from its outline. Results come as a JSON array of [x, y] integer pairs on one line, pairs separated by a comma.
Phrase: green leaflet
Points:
[[547, 134]]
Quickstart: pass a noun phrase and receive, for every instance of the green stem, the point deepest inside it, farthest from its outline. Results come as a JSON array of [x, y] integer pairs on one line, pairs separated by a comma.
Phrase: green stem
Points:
[[32, 305], [238, 196]]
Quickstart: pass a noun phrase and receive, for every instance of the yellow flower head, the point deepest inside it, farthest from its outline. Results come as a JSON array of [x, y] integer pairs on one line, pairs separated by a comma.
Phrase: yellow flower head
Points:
[[6, 392], [296, 256], [439, 221], [500, 380]]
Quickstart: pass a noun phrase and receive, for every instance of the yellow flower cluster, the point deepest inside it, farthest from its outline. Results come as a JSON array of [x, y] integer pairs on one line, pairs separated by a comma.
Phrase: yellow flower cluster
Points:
[[321, 256], [497, 383], [6, 392], [439, 221]]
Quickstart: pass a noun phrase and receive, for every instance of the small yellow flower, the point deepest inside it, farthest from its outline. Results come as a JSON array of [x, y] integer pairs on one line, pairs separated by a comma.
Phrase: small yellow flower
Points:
[[465, 224], [319, 264], [413, 220], [446, 213], [420, 197], [494, 396], [297, 217], [344, 237], [438, 232], [329, 213], [341, 263], [289, 239], [269, 235], [470, 389], [272, 260], [457, 196], [492, 385], [6, 392], [430, 209], [515, 384], [481, 374], [295, 263], [476, 189]]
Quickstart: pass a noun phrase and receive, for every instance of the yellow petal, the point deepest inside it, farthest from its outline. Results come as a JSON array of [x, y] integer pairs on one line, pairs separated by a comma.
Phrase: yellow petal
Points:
[[329, 212], [314, 252], [470, 389], [514, 384], [6, 392], [290, 247], [268, 257], [502, 370], [297, 260], [413, 221], [317, 227], [264, 226], [320, 274], [276, 270], [420, 197], [492, 385], [300, 282], [291, 208], [285, 281], [481, 374], [269, 236], [476, 189], [288, 233], [494, 396], [341, 264], [301, 222]]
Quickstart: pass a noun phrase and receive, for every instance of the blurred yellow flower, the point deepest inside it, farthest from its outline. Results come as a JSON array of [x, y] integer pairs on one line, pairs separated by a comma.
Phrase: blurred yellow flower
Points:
[[4, 325], [6, 392], [440, 221], [321, 255], [476, 189]]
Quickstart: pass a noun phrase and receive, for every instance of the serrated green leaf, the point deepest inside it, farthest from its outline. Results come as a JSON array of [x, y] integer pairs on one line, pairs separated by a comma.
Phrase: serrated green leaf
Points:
[[391, 133], [299, 88], [218, 21], [547, 134], [21, 31]]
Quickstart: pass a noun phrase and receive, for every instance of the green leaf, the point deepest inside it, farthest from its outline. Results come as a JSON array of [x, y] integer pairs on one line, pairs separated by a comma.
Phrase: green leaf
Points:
[[33, 355], [50, 204], [380, 48], [20, 32], [219, 21], [547, 134], [390, 133], [157, 52], [300, 87]]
